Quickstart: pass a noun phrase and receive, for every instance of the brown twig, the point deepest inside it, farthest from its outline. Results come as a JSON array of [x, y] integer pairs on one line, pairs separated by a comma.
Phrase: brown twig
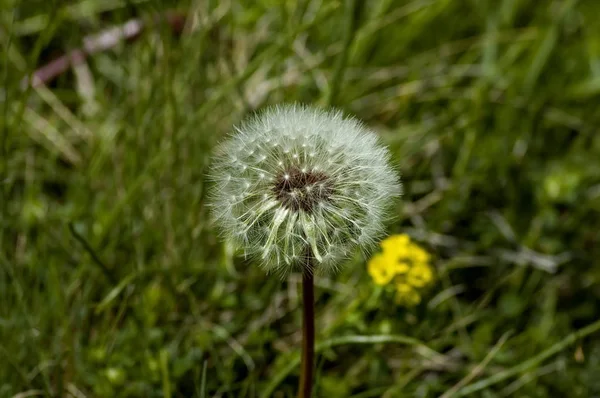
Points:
[[99, 42]]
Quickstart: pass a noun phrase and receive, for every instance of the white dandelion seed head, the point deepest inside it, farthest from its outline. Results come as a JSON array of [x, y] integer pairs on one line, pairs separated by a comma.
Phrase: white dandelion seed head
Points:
[[298, 187]]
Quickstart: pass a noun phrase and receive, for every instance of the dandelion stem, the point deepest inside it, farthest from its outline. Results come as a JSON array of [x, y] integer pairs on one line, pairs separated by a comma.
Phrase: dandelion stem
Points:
[[308, 334]]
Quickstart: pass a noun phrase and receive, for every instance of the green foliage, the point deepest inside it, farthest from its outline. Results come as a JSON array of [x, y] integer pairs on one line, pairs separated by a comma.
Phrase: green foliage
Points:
[[114, 283]]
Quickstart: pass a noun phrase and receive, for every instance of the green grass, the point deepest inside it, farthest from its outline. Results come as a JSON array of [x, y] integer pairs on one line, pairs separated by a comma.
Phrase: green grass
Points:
[[114, 283]]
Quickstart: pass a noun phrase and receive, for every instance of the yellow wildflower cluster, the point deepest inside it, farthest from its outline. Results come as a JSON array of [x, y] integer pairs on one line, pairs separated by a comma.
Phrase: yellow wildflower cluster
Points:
[[405, 264]]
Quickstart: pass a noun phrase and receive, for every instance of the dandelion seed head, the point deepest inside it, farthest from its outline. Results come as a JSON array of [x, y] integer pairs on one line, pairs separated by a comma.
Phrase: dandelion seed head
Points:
[[328, 191]]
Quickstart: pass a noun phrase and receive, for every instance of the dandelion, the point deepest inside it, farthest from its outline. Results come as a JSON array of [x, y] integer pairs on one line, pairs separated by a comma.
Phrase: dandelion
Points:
[[406, 265], [297, 188], [300, 189]]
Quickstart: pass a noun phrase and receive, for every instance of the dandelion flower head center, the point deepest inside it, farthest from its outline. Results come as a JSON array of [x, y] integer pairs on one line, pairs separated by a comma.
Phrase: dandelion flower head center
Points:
[[299, 189]]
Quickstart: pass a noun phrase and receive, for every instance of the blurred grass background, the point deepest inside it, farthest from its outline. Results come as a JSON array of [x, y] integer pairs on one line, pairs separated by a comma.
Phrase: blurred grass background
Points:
[[113, 283]]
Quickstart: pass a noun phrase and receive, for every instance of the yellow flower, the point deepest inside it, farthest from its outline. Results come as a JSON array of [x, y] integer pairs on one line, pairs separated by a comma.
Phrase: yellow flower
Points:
[[406, 295], [400, 267], [406, 264], [418, 254], [395, 242], [380, 270], [419, 275]]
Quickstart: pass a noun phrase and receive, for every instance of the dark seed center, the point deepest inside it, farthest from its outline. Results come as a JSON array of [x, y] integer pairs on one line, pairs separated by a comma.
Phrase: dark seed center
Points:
[[302, 190]]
